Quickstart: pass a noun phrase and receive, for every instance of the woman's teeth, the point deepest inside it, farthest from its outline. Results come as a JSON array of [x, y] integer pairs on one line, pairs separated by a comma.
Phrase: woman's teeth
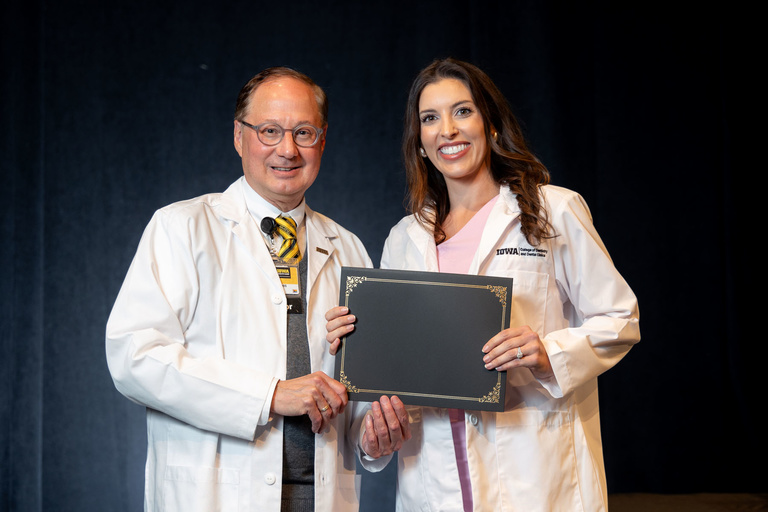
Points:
[[452, 150]]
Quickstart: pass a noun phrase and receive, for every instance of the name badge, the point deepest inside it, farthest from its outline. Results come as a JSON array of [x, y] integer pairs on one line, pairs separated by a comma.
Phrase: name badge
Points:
[[288, 272]]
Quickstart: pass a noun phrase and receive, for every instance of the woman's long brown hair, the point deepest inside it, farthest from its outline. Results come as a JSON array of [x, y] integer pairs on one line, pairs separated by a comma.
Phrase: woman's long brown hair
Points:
[[512, 163]]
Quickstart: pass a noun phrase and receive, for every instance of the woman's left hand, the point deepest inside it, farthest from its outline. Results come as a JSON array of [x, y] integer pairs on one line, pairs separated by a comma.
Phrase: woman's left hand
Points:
[[518, 347], [340, 323]]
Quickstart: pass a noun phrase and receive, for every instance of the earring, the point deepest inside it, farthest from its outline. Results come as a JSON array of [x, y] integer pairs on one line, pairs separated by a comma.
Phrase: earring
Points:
[[423, 153], [496, 136]]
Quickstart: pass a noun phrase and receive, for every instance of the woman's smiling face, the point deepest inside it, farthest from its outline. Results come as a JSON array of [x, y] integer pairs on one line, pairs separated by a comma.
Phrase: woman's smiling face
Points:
[[452, 130]]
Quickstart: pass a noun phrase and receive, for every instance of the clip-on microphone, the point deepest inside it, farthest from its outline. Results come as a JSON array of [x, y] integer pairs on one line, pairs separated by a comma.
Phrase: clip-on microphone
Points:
[[268, 226]]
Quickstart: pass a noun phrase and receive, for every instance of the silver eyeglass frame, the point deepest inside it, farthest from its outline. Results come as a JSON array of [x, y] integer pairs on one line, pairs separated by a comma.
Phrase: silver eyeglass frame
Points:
[[292, 131]]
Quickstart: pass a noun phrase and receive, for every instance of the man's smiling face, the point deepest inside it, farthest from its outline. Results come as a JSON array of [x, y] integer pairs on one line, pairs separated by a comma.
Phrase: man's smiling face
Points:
[[281, 174]]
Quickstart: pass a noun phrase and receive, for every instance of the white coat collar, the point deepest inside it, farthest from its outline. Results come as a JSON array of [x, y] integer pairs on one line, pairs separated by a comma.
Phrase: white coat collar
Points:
[[320, 241], [425, 243], [232, 206], [260, 207], [497, 225]]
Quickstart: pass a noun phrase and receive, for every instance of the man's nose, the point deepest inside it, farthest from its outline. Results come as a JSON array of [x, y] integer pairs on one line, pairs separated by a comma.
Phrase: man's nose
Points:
[[287, 147]]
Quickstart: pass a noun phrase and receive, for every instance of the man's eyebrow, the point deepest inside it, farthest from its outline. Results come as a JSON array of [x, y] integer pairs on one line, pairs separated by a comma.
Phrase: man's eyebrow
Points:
[[274, 121]]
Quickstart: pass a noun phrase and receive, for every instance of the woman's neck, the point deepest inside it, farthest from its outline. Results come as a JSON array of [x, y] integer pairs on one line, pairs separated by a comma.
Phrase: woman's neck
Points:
[[466, 200]]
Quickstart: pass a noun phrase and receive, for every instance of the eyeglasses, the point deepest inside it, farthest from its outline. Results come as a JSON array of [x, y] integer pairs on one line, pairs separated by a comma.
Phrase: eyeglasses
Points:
[[270, 134]]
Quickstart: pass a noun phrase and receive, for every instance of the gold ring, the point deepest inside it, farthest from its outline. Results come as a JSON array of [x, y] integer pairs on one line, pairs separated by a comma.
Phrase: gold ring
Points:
[[324, 409]]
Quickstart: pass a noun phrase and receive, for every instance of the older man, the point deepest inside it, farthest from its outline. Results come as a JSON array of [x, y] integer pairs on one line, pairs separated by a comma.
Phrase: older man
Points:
[[219, 327]]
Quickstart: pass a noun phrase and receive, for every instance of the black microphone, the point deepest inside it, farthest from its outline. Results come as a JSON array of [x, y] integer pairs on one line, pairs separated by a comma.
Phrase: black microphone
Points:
[[268, 225]]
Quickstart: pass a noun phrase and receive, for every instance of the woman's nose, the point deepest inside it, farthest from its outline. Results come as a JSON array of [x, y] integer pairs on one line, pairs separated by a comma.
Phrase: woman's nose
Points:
[[448, 128]]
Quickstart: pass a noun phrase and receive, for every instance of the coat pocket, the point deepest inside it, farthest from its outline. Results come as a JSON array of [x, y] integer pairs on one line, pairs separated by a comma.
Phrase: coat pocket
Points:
[[529, 297], [200, 489], [537, 462]]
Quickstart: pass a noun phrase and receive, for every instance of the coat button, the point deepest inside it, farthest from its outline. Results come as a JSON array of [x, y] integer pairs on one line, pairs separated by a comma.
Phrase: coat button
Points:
[[473, 419], [270, 478], [277, 299]]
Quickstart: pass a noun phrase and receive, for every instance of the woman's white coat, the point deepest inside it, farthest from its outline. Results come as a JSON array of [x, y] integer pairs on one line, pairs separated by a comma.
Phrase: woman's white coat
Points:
[[544, 452]]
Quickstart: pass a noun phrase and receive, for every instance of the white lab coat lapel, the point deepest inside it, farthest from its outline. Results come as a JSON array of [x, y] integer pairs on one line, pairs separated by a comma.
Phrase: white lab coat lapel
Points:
[[319, 247], [319, 251], [233, 208], [424, 242], [497, 226]]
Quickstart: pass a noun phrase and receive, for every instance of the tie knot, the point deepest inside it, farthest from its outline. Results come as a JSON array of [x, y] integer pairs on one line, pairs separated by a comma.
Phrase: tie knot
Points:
[[286, 228]]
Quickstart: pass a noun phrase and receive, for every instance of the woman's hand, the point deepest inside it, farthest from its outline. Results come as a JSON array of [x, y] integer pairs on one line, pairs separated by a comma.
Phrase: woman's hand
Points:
[[340, 323], [386, 427], [518, 347]]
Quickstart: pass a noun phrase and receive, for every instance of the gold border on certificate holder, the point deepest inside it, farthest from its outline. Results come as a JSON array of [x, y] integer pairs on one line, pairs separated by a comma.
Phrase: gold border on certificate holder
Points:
[[493, 396]]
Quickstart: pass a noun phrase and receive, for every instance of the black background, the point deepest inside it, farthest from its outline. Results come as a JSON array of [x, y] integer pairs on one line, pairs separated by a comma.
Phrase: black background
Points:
[[111, 110]]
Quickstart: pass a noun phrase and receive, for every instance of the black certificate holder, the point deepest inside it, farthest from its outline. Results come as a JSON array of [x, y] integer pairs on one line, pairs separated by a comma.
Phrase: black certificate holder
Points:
[[419, 335]]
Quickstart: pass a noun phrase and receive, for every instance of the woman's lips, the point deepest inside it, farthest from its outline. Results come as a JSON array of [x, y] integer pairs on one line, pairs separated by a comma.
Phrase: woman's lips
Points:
[[452, 150]]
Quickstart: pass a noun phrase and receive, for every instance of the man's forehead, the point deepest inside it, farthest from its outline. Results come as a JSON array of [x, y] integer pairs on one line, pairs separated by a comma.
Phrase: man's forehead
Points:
[[284, 96]]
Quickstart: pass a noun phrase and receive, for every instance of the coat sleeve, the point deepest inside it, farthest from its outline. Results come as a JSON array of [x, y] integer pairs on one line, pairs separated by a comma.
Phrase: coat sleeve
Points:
[[601, 308], [386, 252], [148, 355]]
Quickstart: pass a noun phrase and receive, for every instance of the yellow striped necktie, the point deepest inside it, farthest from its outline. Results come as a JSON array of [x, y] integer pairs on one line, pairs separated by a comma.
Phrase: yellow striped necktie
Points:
[[286, 228]]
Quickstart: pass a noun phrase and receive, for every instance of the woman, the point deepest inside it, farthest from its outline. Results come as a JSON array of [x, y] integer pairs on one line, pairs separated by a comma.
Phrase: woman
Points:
[[481, 204]]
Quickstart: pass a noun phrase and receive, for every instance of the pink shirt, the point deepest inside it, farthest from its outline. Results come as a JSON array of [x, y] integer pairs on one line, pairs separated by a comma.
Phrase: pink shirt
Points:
[[455, 256]]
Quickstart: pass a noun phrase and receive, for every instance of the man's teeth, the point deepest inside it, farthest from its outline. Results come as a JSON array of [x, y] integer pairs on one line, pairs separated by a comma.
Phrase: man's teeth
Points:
[[452, 150]]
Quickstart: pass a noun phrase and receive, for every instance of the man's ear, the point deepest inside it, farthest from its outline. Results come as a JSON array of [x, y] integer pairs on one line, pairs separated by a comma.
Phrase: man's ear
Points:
[[322, 142], [238, 135]]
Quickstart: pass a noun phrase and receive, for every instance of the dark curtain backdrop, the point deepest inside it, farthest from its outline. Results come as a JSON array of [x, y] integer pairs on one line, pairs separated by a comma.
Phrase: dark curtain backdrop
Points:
[[111, 110]]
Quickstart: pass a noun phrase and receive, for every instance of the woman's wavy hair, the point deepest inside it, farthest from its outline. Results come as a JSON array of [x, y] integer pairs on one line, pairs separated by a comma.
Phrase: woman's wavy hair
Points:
[[512, 163]]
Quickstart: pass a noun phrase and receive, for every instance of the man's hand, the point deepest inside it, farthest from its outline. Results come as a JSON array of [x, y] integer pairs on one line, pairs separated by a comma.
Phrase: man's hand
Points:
[[316, 395]]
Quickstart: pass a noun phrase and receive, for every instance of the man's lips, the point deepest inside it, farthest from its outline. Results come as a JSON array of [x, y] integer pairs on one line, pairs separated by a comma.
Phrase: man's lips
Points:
[[277, 168]]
